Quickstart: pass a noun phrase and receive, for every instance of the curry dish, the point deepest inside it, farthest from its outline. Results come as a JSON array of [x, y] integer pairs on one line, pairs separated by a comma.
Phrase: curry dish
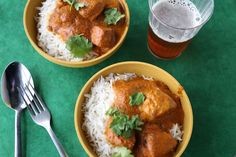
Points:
[[159, 109], [88, 20]]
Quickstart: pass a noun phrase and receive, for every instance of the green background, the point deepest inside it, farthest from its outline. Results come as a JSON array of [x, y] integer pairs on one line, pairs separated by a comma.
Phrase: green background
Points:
[[207, 70]]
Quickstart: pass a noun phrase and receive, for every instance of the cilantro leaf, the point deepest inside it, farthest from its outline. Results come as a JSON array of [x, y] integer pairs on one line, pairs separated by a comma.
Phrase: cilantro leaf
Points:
[[112, 16], [79, 5], [122, 152], [122, 125], [136, 123], [79, 45], [112, 111], [136, 99]]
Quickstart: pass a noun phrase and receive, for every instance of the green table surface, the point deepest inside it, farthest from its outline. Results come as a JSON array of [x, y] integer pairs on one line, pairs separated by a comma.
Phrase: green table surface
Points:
[[207, 70]]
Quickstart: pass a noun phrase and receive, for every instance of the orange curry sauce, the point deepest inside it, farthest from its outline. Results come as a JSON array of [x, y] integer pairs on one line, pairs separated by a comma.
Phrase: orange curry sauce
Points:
[[159, 112]]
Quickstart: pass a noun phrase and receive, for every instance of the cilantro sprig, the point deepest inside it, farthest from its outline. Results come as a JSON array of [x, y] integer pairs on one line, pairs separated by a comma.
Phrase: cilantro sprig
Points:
[[122, 152], [78, 45], [113, 112], [71, 2], [112, 16], [136, 99], [77, 5], [122, 125]]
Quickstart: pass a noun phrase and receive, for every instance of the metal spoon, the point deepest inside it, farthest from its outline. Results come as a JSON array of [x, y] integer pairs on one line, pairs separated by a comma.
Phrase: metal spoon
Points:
[[14, 76]]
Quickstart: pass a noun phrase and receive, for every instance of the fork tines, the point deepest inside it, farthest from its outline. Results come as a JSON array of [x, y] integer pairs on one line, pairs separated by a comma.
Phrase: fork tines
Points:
[[32, 100]]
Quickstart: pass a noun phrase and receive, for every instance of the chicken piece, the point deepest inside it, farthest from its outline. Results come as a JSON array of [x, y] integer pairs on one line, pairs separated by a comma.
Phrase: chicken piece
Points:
[[156, 104], [156, 101], [60, 20], [166, 90], [92, 10], [153, 142], [66, 22], [122, 91], [115, 140], [102, 36]]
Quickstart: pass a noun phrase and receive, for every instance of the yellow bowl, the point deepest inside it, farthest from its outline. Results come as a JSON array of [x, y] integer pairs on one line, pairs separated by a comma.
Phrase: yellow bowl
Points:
[[31, 31], [139, 68]]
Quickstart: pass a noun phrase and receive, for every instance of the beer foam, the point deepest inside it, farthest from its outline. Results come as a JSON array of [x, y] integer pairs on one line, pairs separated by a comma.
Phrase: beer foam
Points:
[[179, 14], [184, 3]]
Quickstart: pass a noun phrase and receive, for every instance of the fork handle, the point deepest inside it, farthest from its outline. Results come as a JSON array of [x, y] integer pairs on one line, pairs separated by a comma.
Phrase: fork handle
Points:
[[56, 142]]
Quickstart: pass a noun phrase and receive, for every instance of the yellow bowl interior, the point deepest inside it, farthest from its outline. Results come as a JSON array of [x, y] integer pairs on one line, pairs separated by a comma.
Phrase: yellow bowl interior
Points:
[[30, 27], [140, 69]]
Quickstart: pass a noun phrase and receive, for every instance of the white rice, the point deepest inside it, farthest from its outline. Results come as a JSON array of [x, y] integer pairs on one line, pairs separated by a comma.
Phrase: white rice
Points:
[[176, 132], [97, 102], [50, 42]]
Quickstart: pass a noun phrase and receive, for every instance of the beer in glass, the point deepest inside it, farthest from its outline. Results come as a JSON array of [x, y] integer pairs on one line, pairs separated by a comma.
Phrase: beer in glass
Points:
[[173, 23]]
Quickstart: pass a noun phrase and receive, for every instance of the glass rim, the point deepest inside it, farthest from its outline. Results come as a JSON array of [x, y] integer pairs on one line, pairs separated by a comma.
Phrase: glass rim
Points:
[[187, 28]]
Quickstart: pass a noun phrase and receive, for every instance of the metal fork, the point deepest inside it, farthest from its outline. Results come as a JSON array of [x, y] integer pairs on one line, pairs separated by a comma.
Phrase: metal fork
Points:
[[40, 114]]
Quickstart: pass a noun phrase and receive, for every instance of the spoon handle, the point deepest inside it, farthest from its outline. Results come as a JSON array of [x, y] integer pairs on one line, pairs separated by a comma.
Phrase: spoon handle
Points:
[[18, 152]]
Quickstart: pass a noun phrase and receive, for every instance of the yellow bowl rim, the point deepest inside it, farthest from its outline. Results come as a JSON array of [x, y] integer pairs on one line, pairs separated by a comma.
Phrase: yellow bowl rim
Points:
[[78, 63], [188, 137]]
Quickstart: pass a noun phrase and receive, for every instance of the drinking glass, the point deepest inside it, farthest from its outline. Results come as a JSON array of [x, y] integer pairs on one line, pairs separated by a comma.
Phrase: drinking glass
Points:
[[173, 23]]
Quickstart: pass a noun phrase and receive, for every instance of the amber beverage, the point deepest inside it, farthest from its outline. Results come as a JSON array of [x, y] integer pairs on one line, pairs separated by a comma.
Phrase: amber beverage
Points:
[[173, 23], [163, 49]]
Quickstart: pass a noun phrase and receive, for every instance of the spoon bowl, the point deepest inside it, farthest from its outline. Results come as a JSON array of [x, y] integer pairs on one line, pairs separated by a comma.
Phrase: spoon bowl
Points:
[[15, 74]]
